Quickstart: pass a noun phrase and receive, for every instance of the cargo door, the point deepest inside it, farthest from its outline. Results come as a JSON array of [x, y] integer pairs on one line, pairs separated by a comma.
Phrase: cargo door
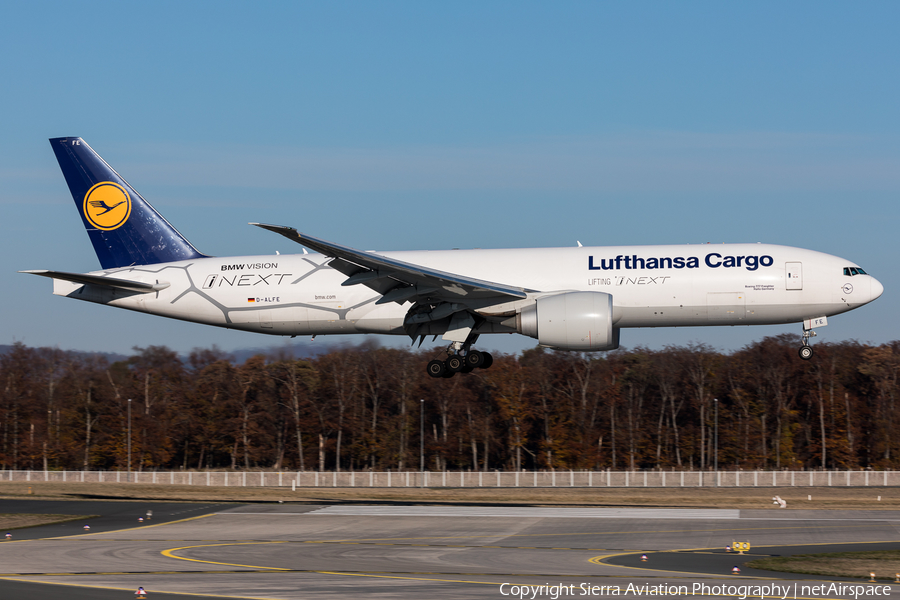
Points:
[[726, 306], [793, 276]]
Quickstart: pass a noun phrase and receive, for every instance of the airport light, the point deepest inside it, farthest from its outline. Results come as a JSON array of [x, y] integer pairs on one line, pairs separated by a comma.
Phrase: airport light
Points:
[[716, 453], [422, 435], [128, 478]]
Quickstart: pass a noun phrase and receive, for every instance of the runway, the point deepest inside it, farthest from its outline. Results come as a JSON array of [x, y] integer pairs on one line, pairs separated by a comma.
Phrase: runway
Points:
[[280, 551]]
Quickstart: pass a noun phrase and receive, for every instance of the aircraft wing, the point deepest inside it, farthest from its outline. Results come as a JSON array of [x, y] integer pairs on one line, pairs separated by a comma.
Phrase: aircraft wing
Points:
[[110, 282], [400, 281]]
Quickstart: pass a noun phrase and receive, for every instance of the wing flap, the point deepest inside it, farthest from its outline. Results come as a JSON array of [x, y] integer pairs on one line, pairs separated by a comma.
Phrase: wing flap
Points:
[[347, 268]]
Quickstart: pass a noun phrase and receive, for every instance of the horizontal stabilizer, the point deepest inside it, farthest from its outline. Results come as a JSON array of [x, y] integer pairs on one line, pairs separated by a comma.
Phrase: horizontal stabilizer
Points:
[[110, 282]]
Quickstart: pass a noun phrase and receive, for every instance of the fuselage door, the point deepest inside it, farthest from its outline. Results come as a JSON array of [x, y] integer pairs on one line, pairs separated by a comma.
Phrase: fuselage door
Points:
[[726, 306], [793, 276]]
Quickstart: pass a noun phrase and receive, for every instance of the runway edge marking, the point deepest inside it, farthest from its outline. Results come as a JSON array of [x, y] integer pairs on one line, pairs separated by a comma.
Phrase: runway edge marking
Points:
[[84, 535], [168, 554]]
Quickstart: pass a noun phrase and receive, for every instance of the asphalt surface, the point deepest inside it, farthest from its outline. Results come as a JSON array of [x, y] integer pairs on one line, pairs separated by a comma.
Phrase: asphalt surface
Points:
[[435, 552], [110, 516], [40, 591]]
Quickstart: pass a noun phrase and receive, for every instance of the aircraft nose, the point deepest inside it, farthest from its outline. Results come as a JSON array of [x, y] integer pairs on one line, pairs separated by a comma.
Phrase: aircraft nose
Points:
[[877, 288]]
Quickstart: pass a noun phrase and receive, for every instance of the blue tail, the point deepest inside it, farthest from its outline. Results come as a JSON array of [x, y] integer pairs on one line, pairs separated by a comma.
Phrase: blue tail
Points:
[[123, 227]]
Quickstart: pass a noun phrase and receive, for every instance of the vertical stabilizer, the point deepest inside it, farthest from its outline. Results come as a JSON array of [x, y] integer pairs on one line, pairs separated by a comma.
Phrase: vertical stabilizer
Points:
[[123, 227]]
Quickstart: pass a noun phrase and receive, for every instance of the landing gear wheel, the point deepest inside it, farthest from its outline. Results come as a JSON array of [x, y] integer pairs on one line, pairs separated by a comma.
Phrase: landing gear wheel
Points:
[[488, 361], [806, 351], [436, 368], [474, 359], [455, 363]]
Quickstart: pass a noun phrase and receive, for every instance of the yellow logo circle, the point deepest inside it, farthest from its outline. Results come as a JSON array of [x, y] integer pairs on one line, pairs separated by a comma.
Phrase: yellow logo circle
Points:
[[107, 205]]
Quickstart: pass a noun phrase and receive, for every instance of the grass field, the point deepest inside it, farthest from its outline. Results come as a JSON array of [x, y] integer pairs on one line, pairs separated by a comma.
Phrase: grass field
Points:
[[885, 564], [10, 522], [756, 498]]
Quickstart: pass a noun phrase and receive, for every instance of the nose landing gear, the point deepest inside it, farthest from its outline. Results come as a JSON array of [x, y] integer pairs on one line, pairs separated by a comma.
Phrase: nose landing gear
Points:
[[806, 351]]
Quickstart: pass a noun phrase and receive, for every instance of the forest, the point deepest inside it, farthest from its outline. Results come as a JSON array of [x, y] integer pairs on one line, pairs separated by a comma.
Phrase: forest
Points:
[[362, 408]]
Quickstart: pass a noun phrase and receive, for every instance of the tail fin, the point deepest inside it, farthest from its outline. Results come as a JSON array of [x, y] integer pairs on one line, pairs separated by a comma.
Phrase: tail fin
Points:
[[123, 227]]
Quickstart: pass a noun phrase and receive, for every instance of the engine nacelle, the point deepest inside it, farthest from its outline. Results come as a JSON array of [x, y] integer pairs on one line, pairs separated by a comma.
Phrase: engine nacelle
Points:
[[571, 321]]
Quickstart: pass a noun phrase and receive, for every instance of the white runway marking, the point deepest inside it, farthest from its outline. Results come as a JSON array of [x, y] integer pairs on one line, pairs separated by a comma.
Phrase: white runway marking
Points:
[[519, 512]]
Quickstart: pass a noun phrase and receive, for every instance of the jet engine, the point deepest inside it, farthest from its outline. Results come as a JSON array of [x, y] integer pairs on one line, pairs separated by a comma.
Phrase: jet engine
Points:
[[571, 321]]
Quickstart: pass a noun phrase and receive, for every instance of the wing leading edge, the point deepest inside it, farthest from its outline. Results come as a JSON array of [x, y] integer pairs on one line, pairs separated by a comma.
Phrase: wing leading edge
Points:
[[442, 302], [400, 281]]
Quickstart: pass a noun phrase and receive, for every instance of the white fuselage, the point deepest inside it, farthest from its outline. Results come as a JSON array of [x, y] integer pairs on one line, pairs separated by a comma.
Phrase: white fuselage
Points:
[[651, 286]]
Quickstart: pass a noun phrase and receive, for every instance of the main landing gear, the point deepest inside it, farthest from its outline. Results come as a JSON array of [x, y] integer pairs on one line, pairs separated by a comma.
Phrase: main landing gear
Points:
[[806, 351], [460, 360]]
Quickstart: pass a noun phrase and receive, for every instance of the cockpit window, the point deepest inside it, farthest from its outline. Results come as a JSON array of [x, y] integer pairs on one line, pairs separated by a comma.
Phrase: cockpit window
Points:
[[851, 271], [861, 272]]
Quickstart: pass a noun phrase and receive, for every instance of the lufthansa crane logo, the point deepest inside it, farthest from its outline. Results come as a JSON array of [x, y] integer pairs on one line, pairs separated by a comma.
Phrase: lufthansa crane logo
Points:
[[107, 205]]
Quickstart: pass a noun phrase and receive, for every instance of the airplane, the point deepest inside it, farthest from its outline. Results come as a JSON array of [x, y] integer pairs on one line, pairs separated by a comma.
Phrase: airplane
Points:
[[576, 298]]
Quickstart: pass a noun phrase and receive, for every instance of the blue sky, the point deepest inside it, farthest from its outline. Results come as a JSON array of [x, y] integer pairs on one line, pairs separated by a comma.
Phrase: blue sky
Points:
[[424, 125]]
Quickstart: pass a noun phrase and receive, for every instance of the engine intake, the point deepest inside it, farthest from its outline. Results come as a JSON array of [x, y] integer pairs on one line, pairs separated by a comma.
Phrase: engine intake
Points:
[[571, 321]]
